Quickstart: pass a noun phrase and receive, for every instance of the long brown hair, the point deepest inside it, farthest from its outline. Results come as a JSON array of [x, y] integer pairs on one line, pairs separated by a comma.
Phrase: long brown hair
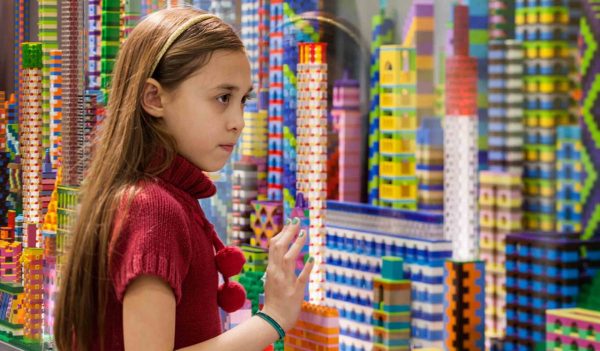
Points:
[[129, 139]]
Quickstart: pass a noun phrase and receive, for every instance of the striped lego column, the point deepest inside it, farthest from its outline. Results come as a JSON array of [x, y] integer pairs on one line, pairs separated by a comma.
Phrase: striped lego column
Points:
[[49, 280], [263, 91], [111, 13], [500, 213], [254, 143], [275, 153], [94, 45], [397, 128], [48, 36], [293, 33], [67, 205], [391, 307], [312, 154], [460, 144], [12, 127], [346, 115], [86, 121], [418, 33], [569, 179], [48, 180], [3, 120], [31, 133], [4, 161], [51, 217], [72, 78], [430, 164], [506, 131], [131, 16], [530, 291], [543, 30], [56, 107], [577, 327], [590, 103], [21, 35], [33, 301], [502, 19], [244, 191], [250, 35], [10, 261], [464, 305], [317, 328], [381, 33], [478, 48]]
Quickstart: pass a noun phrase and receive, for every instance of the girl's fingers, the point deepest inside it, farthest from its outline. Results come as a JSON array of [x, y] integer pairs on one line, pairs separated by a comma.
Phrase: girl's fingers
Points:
[[281, 242], [297, 246], [303, 277]]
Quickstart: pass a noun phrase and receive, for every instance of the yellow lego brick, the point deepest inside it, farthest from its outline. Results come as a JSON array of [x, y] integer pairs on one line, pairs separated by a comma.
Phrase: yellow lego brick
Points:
[[397, 65], [404, 168], [398, 97], [393, 123]]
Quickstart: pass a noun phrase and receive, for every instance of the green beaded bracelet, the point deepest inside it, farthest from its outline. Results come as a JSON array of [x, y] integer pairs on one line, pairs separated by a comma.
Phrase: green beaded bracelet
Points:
[[273, 323]]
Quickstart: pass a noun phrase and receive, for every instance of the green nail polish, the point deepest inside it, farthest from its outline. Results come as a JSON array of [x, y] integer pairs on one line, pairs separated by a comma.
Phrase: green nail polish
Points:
[[302, 232], [311, 259], [295, 221], [288, 221]]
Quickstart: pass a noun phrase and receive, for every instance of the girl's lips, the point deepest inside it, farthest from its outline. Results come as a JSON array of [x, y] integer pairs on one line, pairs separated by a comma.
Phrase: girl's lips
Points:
[[227, 147]]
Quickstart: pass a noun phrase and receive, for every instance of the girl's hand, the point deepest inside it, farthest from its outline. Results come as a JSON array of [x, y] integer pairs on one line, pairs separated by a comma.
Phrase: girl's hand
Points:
[[284, 292]]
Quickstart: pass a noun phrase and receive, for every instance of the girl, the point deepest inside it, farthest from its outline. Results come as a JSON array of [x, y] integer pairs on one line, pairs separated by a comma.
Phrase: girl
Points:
[[142, 272]]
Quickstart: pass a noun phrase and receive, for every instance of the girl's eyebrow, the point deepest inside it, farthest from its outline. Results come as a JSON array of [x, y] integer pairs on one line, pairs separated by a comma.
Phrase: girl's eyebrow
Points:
[[232, 87]]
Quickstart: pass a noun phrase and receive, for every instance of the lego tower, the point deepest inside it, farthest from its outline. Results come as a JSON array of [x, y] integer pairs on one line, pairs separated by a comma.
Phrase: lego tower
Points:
[[590, 69], [398, 128], [312, 154], [460, 144]]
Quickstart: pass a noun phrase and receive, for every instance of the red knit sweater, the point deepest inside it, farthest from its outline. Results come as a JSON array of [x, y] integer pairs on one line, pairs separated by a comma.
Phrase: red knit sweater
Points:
[[166, 234]]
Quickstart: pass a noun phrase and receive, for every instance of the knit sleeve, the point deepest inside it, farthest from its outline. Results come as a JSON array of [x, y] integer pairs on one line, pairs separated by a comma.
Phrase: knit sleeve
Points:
[[153, 240]]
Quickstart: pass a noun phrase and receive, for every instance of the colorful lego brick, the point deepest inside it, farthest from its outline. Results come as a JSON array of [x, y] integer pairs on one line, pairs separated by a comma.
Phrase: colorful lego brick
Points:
[[575, 328], [346, 116], [590, 34], [381, 33], [244, 192], [391, 307], [317, 328], [430, 164], [464, 305], [544, 271], [266, 221], [500, 202], [33, 288]]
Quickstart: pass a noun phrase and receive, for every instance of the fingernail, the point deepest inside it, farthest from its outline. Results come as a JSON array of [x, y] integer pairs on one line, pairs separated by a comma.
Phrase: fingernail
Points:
[[288, 221], [295, 221], [302, 232], [311, 259]]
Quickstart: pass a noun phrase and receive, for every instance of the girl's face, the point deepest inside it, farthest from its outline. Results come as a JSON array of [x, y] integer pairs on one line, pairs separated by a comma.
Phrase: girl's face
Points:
[[205, 113]]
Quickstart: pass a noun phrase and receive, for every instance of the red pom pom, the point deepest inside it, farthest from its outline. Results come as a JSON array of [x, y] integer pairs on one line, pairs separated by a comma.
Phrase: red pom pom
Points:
[[231, 296], [230, 261]]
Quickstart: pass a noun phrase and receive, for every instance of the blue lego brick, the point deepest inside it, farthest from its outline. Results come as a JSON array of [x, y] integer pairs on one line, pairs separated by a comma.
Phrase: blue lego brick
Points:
[[373, 210]]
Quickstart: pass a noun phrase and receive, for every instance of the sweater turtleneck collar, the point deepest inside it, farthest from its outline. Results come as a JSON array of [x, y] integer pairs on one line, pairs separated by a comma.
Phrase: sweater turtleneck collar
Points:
[[188, 177]]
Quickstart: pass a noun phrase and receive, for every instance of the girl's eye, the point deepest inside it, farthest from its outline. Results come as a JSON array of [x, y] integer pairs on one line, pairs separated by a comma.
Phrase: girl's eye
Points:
[[224, 99]]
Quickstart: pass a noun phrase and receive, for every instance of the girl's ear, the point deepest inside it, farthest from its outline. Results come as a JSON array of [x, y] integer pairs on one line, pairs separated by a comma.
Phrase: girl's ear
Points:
[[152, 98]]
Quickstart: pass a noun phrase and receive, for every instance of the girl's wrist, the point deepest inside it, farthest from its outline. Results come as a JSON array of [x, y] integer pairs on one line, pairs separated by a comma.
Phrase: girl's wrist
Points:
[[277, 318]]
